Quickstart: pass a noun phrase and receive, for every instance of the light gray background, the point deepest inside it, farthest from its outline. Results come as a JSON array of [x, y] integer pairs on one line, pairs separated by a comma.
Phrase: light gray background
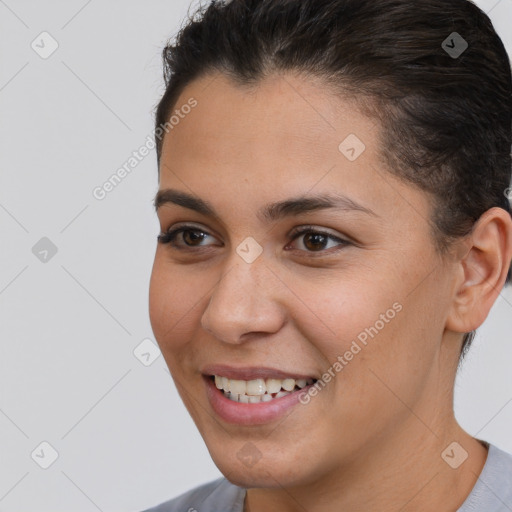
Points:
[[69, 327]]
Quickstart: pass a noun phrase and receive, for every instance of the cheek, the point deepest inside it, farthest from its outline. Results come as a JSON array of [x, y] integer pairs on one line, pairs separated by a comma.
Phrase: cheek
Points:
[[336, 310], [363, 326], [174, 305]]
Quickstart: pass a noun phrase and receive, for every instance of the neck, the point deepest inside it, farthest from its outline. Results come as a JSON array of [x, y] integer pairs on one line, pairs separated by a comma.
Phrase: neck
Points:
[[406, 473]]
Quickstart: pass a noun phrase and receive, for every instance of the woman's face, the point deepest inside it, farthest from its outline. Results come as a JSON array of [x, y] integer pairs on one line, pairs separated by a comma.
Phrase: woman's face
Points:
[[360, 306]]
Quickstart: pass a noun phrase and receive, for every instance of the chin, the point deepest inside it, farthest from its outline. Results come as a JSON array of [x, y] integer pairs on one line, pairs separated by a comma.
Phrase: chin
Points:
[[261, 477], [268, 473]]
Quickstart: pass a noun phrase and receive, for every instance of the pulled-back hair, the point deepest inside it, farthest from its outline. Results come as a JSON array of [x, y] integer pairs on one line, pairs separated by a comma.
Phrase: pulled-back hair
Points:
[[446, 119]]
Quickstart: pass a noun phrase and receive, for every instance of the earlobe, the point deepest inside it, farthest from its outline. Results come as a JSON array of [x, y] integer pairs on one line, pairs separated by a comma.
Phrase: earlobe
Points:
[[483, 270]]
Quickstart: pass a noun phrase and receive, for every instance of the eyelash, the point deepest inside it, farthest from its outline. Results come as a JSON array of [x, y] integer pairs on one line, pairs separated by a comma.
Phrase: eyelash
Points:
[[169, 236]]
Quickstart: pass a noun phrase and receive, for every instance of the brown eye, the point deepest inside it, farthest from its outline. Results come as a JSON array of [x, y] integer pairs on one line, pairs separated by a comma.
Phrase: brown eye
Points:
[[184, 237], [191, 237], [317, 241]]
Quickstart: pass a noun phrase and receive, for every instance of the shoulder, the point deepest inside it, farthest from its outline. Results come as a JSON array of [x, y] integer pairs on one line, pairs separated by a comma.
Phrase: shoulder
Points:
[[215, 496], [493, 489]]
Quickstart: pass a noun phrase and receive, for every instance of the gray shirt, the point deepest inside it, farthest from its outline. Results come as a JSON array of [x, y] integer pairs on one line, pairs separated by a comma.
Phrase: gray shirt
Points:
[[491, 493]]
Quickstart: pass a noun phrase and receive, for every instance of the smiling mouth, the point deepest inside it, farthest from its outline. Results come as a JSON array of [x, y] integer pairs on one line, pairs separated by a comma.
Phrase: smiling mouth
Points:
[[258, 390]]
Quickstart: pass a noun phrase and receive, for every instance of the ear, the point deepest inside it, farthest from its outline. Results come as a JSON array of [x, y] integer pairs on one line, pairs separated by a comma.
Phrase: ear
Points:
[[482, 270]]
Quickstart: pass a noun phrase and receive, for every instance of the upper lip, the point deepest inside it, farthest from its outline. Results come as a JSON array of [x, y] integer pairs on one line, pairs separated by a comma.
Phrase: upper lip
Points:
[[251, 372]]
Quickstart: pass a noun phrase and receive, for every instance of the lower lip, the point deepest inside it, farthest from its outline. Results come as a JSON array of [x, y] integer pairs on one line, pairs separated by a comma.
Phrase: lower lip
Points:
[[249, 414]]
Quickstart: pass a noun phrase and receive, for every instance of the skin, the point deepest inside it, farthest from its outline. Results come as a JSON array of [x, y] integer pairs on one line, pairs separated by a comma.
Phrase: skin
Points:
[[372, 438]]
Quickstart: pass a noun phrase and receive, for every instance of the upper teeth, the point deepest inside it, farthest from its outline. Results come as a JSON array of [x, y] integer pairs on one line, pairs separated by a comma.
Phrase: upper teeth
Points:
[[259, 386]]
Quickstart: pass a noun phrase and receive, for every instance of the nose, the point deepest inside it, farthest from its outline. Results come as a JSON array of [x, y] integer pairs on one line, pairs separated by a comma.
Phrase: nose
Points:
[[245, 301]]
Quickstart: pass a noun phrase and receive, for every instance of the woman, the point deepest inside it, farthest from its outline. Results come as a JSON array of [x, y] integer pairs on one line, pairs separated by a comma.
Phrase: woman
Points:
[[335, 224]]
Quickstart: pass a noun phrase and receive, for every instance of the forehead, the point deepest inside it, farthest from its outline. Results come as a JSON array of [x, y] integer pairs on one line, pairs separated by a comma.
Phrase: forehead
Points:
[[284, 137], [284, 114], [283, 128]]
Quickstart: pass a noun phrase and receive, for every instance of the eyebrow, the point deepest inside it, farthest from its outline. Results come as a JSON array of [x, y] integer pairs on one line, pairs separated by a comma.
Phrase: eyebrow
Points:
[[270, 212]]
